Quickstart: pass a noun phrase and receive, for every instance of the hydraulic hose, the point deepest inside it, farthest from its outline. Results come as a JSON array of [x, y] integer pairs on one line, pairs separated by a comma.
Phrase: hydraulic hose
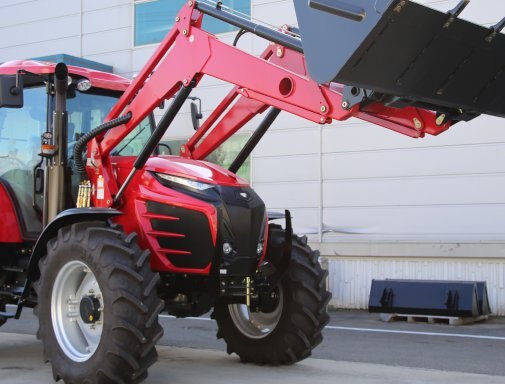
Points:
[[87, 137]]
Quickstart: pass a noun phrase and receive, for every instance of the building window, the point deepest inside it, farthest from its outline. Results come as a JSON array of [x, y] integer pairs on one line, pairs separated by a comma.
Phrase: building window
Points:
[[153, 19]]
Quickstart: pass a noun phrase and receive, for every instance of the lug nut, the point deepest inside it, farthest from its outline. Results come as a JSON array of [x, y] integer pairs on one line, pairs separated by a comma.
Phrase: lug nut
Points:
[[227, 248]]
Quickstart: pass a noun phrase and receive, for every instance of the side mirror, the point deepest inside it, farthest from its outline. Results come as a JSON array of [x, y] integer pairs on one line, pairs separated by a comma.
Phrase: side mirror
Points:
[[195, 116], [164, 149], [38, 177], [11, 91]]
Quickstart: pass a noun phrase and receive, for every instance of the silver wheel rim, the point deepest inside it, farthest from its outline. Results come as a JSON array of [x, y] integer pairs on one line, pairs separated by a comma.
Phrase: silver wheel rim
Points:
[[76, 339], [256, 325]]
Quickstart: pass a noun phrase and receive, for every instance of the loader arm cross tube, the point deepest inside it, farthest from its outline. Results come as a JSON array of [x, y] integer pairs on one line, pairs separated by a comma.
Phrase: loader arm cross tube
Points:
[[278, 78]]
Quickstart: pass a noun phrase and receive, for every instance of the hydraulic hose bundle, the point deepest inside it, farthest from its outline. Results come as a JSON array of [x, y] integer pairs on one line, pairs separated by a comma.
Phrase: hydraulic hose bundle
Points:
[[84, 194], [87, 137]]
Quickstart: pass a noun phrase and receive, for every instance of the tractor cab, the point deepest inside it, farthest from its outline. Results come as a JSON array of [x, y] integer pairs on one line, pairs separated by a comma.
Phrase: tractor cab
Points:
[[27, 105]]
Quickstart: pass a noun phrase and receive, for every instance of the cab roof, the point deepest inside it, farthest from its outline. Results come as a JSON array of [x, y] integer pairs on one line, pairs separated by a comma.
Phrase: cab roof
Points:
[[98, 79]]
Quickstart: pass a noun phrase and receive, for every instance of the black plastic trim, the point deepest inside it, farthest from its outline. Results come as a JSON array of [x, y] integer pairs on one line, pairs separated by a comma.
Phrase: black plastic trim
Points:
[[65, 218]]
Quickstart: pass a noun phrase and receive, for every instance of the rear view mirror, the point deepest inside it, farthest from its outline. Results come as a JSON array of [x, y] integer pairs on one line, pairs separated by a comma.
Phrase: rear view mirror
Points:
[[195, 116], [38, 178], [11, 91], [164, 149]]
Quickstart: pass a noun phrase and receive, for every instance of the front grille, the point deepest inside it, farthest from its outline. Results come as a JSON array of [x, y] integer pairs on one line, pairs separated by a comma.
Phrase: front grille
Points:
[[184, 236], [241, 224]]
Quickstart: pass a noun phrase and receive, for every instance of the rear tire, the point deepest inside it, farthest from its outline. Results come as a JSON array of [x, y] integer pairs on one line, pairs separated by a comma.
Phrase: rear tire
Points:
[[97, 264], [292, 330]]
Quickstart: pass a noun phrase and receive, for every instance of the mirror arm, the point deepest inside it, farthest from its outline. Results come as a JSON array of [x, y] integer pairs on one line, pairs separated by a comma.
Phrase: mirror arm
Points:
[[19, 82]]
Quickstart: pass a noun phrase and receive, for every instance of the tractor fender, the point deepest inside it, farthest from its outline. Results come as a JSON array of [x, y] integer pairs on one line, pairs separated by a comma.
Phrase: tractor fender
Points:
[[63, 219]]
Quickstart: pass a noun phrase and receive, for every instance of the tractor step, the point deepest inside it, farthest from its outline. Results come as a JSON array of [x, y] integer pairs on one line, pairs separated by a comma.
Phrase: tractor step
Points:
[[407, 52]]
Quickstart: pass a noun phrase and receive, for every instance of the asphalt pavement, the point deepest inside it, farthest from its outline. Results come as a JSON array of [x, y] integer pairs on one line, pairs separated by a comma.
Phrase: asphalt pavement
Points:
[[357, 348]]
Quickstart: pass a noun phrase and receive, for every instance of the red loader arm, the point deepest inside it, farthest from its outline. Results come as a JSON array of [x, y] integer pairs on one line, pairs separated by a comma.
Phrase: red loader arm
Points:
[[278, 78]]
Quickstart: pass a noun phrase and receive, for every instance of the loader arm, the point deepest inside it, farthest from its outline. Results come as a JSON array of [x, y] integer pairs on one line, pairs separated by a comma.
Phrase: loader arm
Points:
[[279, 78]]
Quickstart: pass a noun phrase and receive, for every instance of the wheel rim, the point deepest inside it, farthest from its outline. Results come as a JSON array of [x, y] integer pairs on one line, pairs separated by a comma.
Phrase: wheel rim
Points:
[[256, 325], [74, 283]]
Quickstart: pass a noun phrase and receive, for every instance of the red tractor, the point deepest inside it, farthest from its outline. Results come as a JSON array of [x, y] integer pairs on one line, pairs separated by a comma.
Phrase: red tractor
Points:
[[100, 233]]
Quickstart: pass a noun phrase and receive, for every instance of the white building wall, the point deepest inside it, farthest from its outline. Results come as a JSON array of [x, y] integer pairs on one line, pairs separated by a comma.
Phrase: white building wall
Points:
[[377, 204]]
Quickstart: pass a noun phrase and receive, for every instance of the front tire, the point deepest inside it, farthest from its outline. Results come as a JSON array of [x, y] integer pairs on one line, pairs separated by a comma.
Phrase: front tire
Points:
[[289, 332], [97, 306]]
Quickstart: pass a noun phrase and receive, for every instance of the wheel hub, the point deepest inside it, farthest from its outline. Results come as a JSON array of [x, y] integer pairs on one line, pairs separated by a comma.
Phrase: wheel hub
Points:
[[89, 309], [76, 311], [258, 324], [269, 301]]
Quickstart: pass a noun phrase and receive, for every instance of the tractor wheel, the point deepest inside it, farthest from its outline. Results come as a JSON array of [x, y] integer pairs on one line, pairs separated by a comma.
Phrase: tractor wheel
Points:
[[291, 329], [97, 306]]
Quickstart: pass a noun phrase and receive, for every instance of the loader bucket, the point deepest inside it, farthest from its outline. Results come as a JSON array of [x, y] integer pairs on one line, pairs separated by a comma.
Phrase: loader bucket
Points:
[[407, 51]]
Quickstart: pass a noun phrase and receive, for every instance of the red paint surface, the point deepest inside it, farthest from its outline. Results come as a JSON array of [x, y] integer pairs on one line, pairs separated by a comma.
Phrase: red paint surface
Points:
[[97, 78], [9, 229]]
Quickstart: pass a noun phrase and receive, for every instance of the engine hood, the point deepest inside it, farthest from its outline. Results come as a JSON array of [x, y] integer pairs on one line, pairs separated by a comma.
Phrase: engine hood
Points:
[[194, 169]]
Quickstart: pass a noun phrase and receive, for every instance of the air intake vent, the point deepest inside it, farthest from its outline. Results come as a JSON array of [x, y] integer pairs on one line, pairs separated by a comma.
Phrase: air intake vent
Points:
[[184, 236]]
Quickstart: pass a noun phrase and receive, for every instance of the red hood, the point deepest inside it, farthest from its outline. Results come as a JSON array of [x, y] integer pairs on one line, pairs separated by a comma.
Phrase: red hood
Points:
[[194, 169], [97, 78]]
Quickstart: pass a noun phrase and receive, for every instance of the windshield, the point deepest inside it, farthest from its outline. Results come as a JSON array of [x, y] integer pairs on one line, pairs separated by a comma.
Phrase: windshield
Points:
[[88, 110], [20, 138]]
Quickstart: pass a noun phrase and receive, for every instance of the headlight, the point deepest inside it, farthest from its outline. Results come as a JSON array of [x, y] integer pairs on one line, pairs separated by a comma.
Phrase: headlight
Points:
[[185, 182], [84, 85]]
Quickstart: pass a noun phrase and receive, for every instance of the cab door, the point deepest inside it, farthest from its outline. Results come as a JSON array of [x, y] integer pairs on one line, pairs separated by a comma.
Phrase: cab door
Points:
[[20, 135]]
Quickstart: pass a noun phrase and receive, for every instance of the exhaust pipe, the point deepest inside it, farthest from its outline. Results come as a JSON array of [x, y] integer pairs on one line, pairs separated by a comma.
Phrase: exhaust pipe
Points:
[[57, 173]]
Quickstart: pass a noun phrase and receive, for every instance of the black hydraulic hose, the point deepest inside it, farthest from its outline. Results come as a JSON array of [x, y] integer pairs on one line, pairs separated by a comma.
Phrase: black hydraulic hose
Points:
[[240, 33], [83, 141]]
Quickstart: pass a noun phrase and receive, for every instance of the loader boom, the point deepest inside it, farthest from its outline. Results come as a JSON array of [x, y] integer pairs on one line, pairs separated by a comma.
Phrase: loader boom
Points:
[[278, 78]]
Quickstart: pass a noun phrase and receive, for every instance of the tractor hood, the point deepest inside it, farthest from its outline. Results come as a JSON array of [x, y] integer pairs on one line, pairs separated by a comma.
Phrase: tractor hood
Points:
[[194, 169]]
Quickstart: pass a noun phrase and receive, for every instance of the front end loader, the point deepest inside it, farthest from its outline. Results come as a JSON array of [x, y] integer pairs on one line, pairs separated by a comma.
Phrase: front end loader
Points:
[[118, 233]]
